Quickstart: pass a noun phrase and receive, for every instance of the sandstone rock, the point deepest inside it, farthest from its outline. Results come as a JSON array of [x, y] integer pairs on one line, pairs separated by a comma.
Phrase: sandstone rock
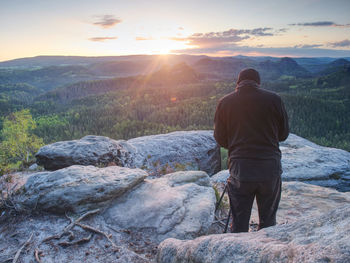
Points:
[[33, 167], [324, 238], [89, 150], [300, 200], [303, 160], [197, 150], [192, 150], [178, 205], [15, 230], [220, 177], [78, 188]]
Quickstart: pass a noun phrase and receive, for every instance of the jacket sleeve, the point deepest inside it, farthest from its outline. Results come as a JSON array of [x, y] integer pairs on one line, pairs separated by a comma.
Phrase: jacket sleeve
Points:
[[220, 133], [284, 126]]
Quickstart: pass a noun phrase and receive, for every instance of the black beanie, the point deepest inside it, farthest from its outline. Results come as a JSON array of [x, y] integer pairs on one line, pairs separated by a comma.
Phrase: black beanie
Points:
[[249, 74]]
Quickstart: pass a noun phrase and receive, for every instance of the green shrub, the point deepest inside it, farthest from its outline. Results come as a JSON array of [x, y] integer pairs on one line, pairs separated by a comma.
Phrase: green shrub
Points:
[[223, 153], [19, 144]]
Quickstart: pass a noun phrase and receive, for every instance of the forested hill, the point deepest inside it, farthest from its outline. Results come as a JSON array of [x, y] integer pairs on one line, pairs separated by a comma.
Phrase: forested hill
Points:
[[166, 77], [175, 96], [335, 66]]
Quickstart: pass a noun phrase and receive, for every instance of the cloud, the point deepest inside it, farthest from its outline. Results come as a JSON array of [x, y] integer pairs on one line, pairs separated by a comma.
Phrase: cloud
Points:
[[282, 30], [143, 38], [292, 51], [217, 39], [102, 39], [257, 31], [107, 21], [343, 43], [210, 40], [321, 24], [230, 43], [308, 46]]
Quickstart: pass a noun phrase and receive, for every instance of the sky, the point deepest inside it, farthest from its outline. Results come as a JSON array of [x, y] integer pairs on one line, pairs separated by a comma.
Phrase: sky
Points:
[[299, 28]]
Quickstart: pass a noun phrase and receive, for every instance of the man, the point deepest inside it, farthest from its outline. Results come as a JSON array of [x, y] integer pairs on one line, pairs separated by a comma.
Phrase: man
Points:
[[250, 122]]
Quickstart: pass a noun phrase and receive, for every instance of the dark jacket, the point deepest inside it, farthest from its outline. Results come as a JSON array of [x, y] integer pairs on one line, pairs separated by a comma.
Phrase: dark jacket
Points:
[[250, 122]]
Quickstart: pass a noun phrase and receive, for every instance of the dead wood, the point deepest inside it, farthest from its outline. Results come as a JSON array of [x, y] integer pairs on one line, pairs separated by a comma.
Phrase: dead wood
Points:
[[18, 253], [92, 229], [77, 242], [67, 231], [37, 255]]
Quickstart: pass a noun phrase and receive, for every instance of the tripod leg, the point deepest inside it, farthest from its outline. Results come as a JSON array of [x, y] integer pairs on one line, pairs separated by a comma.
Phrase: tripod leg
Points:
[[228, 220]]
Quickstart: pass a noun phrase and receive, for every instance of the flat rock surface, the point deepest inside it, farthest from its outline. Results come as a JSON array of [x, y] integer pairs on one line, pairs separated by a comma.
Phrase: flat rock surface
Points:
[[77, 188], [301, 200], [178, 205], [298, 200], [305, 161], [158, 154], [130, 247], [324, 238]]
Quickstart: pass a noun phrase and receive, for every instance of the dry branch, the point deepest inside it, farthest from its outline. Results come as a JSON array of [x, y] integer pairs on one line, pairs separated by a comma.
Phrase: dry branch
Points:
[[92, 229], [7, 260], [37, 255], [87, 214], [83, 240], [21, 248], [10, 201], [68, 231]]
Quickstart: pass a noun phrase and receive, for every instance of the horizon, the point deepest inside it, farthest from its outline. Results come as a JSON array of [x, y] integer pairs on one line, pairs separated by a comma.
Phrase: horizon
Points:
[[313, 28], [164, 55]]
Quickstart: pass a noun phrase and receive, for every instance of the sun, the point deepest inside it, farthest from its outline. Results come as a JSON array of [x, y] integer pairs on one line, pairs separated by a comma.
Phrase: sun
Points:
[[161, 46], [163, 39]]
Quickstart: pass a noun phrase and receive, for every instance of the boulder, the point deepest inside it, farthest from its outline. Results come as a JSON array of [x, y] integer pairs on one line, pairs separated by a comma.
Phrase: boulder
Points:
[[194, 150], [178, 205], [220, 177], [141, 213], [164, 153], [305, 161], [77, 188], [324, 238], [89, 150]]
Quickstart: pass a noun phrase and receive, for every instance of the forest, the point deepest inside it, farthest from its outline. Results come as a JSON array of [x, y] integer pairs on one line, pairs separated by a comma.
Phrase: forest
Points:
[[179, 96]]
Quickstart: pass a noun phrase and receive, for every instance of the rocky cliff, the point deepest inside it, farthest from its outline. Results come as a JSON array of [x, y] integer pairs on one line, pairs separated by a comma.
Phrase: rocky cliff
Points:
[[106, 201], [310, 239], [194, 150]]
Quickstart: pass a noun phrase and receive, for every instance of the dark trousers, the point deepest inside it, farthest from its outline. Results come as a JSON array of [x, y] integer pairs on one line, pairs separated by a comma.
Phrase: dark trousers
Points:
[[242, 194]]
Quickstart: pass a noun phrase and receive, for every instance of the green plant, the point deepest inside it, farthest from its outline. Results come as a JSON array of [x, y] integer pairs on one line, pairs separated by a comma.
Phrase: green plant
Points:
[[223, 153], [217, 194], [19, 143]]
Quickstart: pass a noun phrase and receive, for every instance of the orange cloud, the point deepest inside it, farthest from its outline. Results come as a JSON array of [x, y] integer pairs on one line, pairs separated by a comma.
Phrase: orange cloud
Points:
[[144, 38], [102, 39]]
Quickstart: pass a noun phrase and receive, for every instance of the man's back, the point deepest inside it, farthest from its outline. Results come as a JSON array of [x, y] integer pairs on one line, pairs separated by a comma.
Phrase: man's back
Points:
[[250, 122]]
